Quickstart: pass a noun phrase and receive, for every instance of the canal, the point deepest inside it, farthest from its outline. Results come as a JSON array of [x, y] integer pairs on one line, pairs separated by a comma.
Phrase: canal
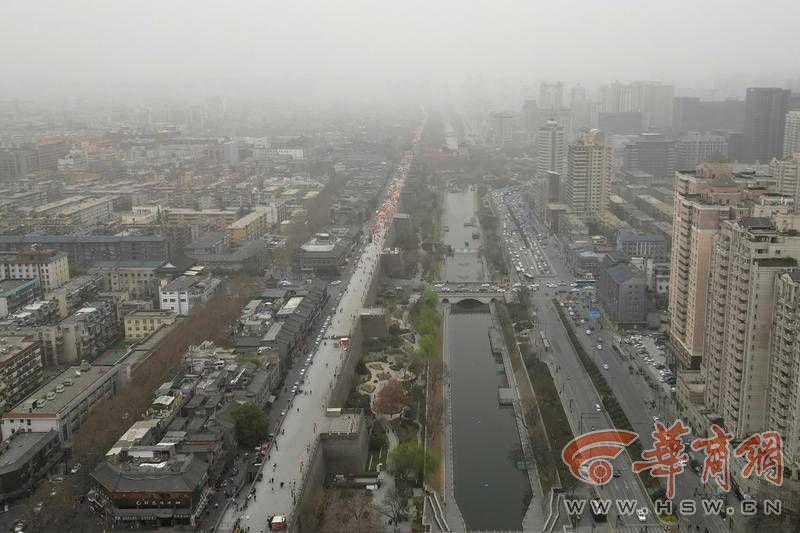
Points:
[[491, 492]]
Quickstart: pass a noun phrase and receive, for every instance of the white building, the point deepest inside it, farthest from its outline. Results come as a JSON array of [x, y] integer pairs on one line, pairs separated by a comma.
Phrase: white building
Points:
[[186, 291], [652, 98], [787, 176], [63, 403], [50, 266], [791, 134], [550, 149]]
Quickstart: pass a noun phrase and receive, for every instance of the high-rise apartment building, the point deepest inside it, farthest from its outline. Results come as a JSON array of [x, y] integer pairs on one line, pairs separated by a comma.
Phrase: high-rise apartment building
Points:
[[20, 369], [765, 123], [589, 174], [551, 95], [791, 134], [747, 255], [502, 128], [577, 97], [703, 200], [550, 148], [694, 147], [784, 366], [692, 114], [787, 176], [580, 107], [653, 99]]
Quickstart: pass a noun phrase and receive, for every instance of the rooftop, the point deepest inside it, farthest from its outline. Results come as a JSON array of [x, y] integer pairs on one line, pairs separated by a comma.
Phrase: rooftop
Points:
[[185, 282], [74, 381], [181, 473], [141, 263], [622, 273], [11, 345], [31, 256], [151, 314], [248, 218], [290, 306], [341, 422], [8, 286], [639, 237], [86, 239], [22, 446]]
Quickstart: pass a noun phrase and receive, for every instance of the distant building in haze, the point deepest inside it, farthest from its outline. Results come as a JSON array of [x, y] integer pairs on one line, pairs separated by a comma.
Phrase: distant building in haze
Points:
[[550, 148], [765, 123]]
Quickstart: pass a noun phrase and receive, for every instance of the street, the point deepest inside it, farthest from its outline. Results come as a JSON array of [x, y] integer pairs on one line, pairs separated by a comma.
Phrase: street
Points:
[[578, 395]]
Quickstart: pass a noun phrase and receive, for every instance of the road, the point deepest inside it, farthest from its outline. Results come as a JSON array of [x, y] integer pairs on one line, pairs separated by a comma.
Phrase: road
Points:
[[296, 433], [631, 390], [578, 395]]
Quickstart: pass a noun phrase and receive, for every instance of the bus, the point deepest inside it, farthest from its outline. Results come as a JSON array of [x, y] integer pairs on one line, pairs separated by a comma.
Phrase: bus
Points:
[[545, 342]]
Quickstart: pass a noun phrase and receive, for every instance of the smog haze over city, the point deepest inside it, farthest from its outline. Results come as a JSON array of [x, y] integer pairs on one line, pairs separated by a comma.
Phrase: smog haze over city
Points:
[[356, 50], [377, 267]]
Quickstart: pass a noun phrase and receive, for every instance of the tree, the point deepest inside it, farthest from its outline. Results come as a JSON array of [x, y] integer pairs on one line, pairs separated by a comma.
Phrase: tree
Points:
[[340, 510], [395, 505], [251, 424], [410, 461], [427, 343], [391, 399], [429, 298]]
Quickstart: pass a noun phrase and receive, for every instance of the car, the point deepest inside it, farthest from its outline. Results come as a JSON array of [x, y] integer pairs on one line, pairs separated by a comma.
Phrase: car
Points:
[[302, 371], [656, 419], [597, 407], [599, 346], [19, 526], [616, 473], [75, 468], [38, 507], [605, 366], [588, 332], [641, 514]]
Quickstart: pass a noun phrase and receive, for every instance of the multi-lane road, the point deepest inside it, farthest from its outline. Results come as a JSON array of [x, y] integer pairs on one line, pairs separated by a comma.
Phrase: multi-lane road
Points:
[[284, 468], [578, 395]]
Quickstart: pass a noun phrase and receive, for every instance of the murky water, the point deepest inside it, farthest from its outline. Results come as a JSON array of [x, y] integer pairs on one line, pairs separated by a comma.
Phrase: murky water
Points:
[[491, 492]]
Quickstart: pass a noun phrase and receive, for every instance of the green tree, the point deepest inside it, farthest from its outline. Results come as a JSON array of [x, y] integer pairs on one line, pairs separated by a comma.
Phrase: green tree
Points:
[[429, 298], [427, 343], [251, 424], [410, 461]]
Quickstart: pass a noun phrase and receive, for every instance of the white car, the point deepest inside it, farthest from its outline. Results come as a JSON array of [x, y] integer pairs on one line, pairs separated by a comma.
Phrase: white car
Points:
[[588, 332], [597, 407], [641, 514], [605, 366], [599, 346]]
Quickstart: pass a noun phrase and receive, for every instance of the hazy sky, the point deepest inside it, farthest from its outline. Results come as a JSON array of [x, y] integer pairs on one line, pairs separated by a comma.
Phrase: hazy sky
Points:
[[81, 48]]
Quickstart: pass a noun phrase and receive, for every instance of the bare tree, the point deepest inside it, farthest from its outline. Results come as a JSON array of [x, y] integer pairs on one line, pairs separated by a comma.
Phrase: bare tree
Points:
[[391, 399], [394, 506]]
